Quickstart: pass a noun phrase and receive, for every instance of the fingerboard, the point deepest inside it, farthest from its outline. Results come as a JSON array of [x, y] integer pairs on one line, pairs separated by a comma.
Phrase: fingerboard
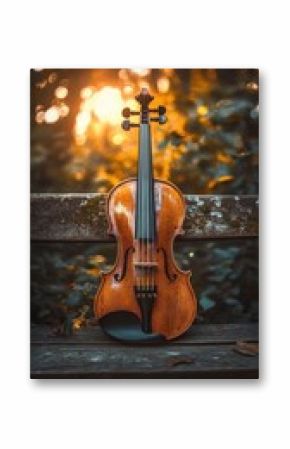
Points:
[[145, 213]]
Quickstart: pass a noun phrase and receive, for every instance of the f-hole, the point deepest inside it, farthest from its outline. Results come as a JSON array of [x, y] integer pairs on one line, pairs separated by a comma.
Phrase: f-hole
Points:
[[171, 276], [120, 276]]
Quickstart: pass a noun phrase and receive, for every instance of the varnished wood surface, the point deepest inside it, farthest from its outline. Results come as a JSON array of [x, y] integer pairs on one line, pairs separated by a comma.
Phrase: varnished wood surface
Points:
[[205, 351], [175, 306], [82, 217]]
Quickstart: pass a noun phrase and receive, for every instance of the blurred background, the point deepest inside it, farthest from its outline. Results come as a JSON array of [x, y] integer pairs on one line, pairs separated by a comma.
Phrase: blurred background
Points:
[[209, 145]]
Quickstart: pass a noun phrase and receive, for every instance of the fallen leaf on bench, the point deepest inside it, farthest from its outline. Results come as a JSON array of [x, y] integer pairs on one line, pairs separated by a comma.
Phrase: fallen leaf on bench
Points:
[[244, 348], [179, 360]]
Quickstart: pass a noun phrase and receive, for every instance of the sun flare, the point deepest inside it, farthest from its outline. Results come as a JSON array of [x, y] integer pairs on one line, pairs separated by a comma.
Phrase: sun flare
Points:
[[107, 104]]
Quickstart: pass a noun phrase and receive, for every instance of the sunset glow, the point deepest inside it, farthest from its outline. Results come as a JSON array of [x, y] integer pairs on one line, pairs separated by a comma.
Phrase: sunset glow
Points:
[[107, 104]]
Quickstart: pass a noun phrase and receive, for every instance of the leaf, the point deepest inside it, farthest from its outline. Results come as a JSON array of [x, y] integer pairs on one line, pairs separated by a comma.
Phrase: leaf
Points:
[[96, 260], [248, 349], [213, 182], [179, 360], [94, 272]]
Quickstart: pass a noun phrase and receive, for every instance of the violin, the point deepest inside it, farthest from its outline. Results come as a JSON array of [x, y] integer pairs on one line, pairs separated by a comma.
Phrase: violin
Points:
[[146, 296]]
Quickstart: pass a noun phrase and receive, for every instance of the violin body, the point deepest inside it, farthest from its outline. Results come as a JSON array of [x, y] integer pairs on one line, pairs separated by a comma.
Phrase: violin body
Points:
[[175, 305]]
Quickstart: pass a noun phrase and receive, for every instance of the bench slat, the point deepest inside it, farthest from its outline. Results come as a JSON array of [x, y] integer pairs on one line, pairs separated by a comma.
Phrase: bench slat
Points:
[[82, 361], [207, 352], [82, 217], [198, 334]]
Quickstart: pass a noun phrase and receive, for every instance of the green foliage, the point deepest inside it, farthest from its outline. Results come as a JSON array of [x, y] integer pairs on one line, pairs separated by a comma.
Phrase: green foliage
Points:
[[65, 278]]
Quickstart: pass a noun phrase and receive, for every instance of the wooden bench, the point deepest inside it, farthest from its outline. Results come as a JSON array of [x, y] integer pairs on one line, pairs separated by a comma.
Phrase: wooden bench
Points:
[[206, 351]]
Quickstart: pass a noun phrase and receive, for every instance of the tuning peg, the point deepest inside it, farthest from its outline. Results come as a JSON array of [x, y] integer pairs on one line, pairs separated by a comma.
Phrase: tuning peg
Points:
[[161, 119], [126, 125], [161, 110], [127, 112]]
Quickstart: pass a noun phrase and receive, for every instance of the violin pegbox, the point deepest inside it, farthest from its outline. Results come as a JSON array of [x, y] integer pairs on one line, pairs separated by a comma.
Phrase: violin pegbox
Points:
[[144, 99]]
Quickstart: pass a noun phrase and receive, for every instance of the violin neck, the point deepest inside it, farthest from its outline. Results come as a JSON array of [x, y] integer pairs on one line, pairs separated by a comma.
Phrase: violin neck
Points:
[[145, 212]]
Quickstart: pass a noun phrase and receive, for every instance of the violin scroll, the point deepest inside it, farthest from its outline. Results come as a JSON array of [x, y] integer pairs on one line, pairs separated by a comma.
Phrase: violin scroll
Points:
[[144, 99]]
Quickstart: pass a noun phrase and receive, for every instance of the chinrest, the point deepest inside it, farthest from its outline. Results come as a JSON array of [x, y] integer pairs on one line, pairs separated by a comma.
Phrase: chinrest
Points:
[[126, 327]]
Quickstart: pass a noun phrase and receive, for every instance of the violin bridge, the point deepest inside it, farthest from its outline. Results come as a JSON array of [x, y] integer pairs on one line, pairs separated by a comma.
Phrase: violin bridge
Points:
[[138, 264]]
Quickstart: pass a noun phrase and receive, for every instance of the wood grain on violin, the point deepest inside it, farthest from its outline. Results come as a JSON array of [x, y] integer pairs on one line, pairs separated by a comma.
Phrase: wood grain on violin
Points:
[[145, 215]]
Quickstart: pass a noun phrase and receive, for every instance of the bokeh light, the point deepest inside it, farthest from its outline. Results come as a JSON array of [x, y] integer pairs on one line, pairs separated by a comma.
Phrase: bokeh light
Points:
[[51, 115], [83, 119], [61, 92], [141, 72], [63, 110], [202, 110], [163, 84], [86, 93], [107, 104], [39, 117]]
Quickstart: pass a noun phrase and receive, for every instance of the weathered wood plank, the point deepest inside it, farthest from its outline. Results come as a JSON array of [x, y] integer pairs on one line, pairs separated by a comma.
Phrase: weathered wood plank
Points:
[[172, 361], [207, 351], [82, 217], [198, 334]]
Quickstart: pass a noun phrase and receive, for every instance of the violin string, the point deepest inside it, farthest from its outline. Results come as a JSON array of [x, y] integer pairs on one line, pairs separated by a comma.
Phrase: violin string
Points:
[[149, 244], [140, 237], [139, 247], [147, 237], [152, 224], [150, 218], [153, 232], [152, 243], [152, 235]]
